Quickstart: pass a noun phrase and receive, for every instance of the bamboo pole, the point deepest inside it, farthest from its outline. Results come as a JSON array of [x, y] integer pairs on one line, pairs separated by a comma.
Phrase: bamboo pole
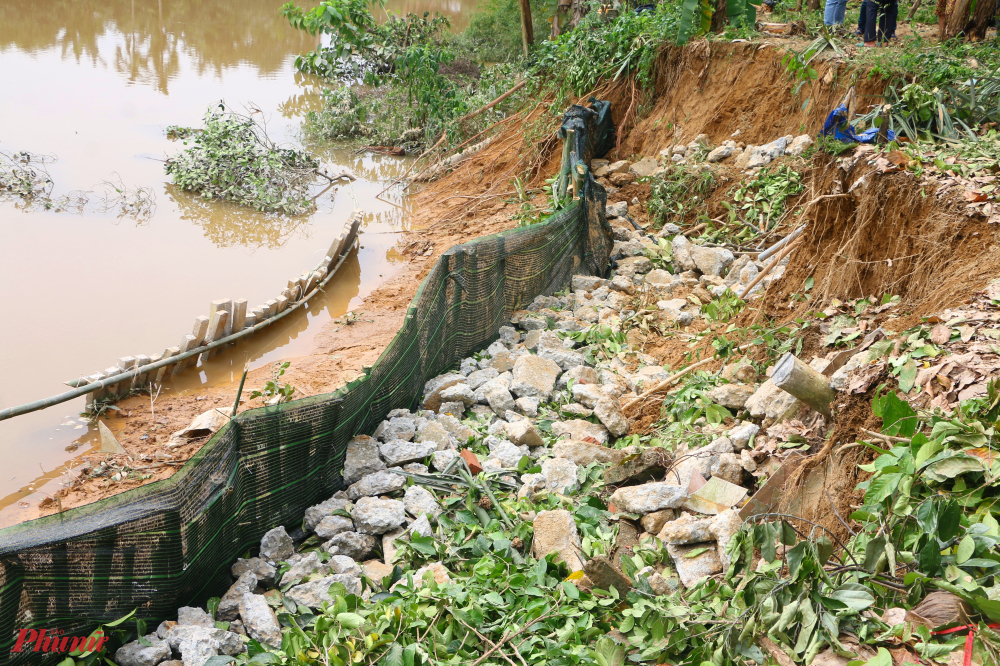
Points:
[[768, 268], [793, 376]]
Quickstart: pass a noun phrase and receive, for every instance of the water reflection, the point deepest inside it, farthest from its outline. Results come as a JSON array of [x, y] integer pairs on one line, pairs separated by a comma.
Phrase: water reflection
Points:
[[214, 35]]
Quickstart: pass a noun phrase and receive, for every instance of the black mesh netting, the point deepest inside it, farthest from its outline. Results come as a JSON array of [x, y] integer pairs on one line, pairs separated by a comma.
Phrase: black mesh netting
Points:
[[171, 543]]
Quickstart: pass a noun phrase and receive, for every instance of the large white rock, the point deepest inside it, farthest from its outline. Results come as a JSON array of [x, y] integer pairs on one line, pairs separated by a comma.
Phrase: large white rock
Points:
[[731, 396], [712, 260], [259, 620], [399, 452], [584, 453], [534, 377], [419, 500], [361, 458], [524, 433], [649, 497], [681, 248], [560, 475], [580, 429], [799, 144], [315, 592], [276, 545], [556, 531], [378, 516], [720, 153], [609, 413], [379, 483]]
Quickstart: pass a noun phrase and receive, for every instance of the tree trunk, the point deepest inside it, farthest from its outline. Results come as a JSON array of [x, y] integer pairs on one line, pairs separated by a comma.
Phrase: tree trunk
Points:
[[719, 18], [811, 387], [812, 5], [580, 9], [981, 18], [957, 19], [527, 30], [562, 11], [913, 11]]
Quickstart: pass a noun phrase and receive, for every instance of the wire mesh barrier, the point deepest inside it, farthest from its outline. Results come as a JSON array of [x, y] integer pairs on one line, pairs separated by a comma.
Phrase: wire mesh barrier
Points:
[[170, 543]]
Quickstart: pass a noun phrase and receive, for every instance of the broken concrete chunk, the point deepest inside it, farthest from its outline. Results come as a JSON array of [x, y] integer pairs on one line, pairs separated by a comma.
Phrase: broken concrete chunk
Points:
[[584, 453], [534, 377], [609, 413], [643, 467], [731, 396], [259, 621], [354, 545], [362, 458], [434, 387], [379, 483], [378, 516], [692, 570], [686, 529], [556, 531], [318, 512], [649, 497], [654, 522], [724, 527], [580, 429], [276, 545], [560, 475], [524, 433], [399, 452]]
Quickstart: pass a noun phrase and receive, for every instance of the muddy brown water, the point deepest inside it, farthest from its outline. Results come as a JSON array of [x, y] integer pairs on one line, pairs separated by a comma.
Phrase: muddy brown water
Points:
[[93, 84]]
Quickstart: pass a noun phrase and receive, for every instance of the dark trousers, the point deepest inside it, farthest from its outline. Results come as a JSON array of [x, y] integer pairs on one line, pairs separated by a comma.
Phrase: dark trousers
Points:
[[877, 19]]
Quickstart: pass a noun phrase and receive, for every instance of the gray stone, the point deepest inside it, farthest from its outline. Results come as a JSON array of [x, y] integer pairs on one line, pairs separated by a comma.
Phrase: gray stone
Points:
[[496, 347], [315, 592], [609, 412], [649, 497], [456, 409], [524, 433], [468, 366], [441, 459], [681, 248], [419, 501], [731, 396], [587, 394], [693, 570], [534, 377], [276, 545], [605, 576], [264, 571], [480, 377], [229, 605], [361, 458], [342, 564], [398, 452], [353, 544], [399, 427], [456, 429], [659, 278], [749, 464], [416, 468], [434, 433], [585, 453], [433, 388], [506, 454], [770, 403], [712, 260], [332, 525], [458, 393], [378, 516], [634, 266], [556, 531], [644, 167], [193, 641], [724, 527], [318, 512], [799, 145], [580, 374], [560, 475], [136, 654], [389, 546], [580, 429], [673, 310], [654, 522], [500, 400], [421, 526], [728, 467], [619, 209], [509, 336], [625, 284], [194, 616], [775, 149], [741, 435], [379, 483], [259, 620], [308, 565], [720, 153], [527, 406], [502, 361], [686, 529], [566, 359]]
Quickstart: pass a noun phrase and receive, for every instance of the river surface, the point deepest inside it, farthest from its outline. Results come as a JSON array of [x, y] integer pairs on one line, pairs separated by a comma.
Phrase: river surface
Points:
[[93, 85]]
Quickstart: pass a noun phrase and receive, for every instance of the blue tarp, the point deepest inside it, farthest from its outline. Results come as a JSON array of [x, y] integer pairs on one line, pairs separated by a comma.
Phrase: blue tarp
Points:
[[836, 126]]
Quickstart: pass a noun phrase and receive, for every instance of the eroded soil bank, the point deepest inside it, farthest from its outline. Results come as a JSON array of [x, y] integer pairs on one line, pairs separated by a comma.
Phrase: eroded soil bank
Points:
[[885, 236]]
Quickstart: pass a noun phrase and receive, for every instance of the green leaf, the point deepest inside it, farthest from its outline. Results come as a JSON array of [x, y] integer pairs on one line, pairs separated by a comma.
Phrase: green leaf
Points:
[[907, 376], [220, 660], [350, 620], [883, 658], [265, 658], [966, 549], [394, 657], [882, 487], [424, 545], [949, 466], [854, 595]]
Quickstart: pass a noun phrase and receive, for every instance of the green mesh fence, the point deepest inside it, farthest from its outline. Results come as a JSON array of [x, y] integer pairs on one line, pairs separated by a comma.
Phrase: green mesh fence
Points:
[[172, 543]]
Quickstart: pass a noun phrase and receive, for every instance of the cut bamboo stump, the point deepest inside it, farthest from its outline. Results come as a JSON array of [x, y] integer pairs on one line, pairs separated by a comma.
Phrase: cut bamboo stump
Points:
[[811, 387]]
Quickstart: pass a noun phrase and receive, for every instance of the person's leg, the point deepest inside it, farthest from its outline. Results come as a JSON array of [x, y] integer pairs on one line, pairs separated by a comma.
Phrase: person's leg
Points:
[[841, 10], [893, 15], [861, 17], [871, 22], [830, 12]]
